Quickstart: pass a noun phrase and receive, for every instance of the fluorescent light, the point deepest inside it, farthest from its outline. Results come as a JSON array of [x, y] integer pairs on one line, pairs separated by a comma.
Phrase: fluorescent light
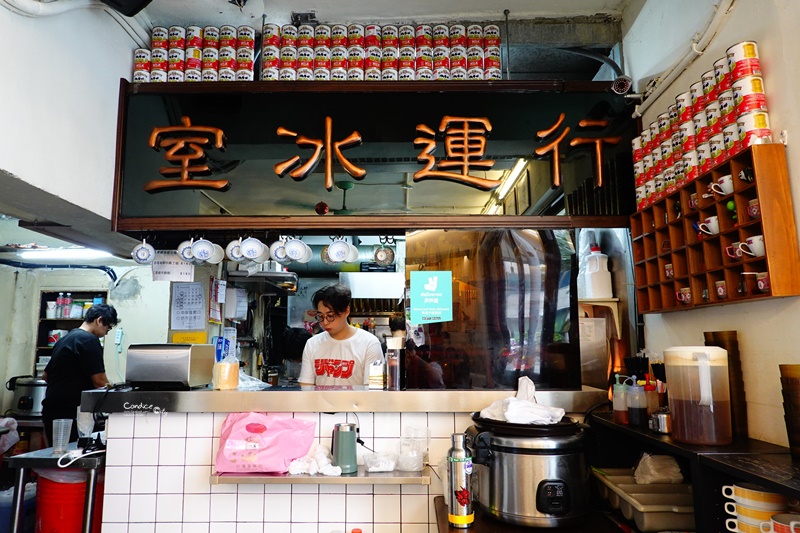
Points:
[[494, 209], [511, 179], [64, 253]]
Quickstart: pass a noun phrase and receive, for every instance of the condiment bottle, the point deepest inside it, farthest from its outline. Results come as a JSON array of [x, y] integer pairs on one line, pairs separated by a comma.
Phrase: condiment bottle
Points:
[[60, 305], [67, 305], [651, 394], [620, 401], [637, 405]]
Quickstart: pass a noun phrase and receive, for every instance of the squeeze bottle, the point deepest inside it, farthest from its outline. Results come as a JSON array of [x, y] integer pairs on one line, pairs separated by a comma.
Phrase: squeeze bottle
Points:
[[651, 394], [620, 401], [637, 405]]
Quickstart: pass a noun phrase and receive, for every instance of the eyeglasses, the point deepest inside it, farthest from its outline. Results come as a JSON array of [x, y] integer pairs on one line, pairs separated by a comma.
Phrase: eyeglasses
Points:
[[330, 317]]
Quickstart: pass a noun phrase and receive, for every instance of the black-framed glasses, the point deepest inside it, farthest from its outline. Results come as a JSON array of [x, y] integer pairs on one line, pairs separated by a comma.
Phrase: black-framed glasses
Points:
[[330, 317]]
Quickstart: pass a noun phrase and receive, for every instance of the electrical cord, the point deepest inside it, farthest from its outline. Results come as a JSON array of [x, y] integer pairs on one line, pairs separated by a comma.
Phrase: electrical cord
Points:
[[75, 455], [358, 434]]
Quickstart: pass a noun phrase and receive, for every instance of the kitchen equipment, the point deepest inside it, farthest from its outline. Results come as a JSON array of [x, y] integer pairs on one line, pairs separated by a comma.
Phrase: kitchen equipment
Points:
[[28, 395], [699, 394], [169, 366], [531, 475], [343, 447]]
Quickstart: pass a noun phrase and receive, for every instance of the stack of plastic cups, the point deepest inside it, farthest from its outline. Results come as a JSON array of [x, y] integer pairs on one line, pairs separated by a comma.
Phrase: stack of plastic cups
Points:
[[790, 388], [210, 55]]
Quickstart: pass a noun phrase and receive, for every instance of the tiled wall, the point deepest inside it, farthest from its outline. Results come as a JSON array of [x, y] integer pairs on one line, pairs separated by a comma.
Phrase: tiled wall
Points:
[[158, 469]]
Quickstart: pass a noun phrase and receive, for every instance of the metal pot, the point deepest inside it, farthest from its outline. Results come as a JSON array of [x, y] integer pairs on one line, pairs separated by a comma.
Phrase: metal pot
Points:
[[530, 475], [28, 395]]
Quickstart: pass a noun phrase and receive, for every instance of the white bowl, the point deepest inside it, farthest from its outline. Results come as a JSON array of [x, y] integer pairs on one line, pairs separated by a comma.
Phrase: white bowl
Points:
[[338, 251], [254, 250], [202, 249]]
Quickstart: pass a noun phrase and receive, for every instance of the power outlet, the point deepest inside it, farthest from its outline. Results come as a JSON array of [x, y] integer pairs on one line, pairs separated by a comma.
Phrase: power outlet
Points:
[[118, 336]]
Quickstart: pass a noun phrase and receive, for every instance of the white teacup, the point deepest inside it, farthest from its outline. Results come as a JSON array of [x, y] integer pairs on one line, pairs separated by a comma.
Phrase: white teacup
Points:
[[338, 251], [202, 249], [254, 250], [234, 251], [185, 251], [352, 255], [307, 256], [723, 186], [277, 252], [144, 254], [296, 249], [217, 255], [754, 246], [710, 226]]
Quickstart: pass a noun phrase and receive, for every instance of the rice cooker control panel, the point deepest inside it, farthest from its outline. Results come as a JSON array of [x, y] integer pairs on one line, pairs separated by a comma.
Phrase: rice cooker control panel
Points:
[[552, 497]]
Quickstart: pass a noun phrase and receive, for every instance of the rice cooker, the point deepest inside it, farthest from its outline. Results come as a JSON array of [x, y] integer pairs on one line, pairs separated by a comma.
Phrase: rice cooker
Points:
[[530, 475], [28, 395]]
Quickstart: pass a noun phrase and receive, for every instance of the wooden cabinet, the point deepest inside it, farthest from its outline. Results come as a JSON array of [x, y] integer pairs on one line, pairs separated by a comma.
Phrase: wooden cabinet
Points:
[[45, 339], [674, 257]]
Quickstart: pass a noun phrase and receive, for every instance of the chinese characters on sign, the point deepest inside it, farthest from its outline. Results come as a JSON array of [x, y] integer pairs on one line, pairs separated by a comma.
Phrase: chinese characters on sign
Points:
[[168, 266], [185, 147], [431, 296]]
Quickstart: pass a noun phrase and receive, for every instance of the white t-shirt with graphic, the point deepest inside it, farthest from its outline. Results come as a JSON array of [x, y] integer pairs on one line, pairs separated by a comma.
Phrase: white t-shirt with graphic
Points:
[[327, 361]]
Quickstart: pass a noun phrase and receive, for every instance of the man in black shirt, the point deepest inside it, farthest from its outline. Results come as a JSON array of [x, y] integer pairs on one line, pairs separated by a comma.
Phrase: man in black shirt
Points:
[[76, 365]]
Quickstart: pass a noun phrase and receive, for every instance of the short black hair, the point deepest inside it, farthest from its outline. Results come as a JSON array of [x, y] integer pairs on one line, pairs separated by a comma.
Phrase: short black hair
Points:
[[106, 313], [336, 296], [397, 322]]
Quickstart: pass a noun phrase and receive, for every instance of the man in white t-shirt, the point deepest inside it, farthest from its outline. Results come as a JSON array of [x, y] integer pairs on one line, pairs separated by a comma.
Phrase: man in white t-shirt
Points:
[[342, 354]]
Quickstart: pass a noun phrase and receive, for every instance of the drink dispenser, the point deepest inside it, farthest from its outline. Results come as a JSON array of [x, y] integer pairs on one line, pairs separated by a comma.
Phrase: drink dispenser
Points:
[[699, 394]]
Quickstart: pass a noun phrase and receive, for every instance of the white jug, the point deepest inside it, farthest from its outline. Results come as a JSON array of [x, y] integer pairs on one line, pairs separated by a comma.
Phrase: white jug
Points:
[[598, 278]]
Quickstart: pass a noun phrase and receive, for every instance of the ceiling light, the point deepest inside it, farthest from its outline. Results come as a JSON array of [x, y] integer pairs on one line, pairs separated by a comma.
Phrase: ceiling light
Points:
[[494, 209], [511, 178], [65, 253]]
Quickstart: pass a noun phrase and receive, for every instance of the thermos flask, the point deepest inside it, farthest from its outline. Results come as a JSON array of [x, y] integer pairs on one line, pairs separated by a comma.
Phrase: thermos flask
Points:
[[343, 447], [459, 472]]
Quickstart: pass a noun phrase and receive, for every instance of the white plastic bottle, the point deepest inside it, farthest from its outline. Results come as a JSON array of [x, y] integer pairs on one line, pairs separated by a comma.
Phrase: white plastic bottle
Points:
[[598, 278]]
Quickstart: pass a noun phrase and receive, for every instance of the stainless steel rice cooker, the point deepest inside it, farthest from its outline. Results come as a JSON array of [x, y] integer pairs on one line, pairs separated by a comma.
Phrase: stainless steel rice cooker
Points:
[[530, 475], [28, 395]]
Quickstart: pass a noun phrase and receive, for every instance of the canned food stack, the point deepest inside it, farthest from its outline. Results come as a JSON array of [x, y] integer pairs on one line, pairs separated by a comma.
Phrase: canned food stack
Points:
[[718, 117]]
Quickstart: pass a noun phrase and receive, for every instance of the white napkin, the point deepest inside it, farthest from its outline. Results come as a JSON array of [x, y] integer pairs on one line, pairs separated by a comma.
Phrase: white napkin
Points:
[[317, 460], [523, 408]]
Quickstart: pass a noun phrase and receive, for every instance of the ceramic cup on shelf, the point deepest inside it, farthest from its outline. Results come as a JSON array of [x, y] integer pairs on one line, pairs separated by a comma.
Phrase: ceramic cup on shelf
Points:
[[762, 281], [144, 254], [782, 523], [296, 249], [723, 186], [747, 514], [254, 250], [202, 249], [710, 226], [733, 251], [753, 208], [755, 496], [185, 251], [234, 251], [722, 289], [684, 295], [338, 251], [753, 246]]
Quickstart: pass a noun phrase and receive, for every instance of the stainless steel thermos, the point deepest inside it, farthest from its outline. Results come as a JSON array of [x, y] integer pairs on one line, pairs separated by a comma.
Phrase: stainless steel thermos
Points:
[[459, 472], [343, 447]]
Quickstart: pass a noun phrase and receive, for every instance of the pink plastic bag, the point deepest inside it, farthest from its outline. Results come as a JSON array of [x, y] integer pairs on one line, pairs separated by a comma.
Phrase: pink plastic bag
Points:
[[260, 442]]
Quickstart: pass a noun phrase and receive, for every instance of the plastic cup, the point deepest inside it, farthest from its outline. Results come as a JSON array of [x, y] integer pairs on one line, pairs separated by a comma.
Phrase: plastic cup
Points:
[[61, 430]]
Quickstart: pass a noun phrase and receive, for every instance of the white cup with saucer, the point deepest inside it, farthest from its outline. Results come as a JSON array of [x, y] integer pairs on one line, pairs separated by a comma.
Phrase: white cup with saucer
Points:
[[185, 251], [295, 249], [254, 250], [202, 249], [144, 254], [277, 250], [234, 251], [338, 251]]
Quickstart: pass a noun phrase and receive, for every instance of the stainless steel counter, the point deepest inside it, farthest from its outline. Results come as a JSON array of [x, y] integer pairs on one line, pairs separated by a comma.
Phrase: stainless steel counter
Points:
[[278, 399]]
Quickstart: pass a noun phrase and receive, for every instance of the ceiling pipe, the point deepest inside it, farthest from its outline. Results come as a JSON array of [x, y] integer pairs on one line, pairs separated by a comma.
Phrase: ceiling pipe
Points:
[[697, 49], [137, 28]]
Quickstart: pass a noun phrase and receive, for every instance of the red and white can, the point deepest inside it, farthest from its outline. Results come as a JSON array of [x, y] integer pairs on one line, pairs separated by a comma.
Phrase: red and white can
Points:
[[647, 160], [677, 146], [703, 157], [423, 36], [338, 74], [441, 35], [355, 59], [650, 191], [271, 57], [289, 38], [141, 76], [339, 58], [654, 137], [355, 74], [355, 36], [441, 74], [636, 146], [305, 36], [176, 59], [658, 181], [709, 81], [270, 36], [322, 59], [716, 144], [647, 140], [211, 59], [177, 37], [194, 60], [372, 35], [666, 152], [423, 74], [492, 74], [743, 60], [372, 73], [730, 139], [474, 57], [658, 163], [159, 58], [244, 74], [670, 184], [227, 59], [684, 103], [270, 74], [372, 60], [673, 117], [322, 36], [663, 126], [305, 74], [638, 169], [194, 38], [698, 98], [390, 56], [748, 95], [390, 36], [691, 165], [175, 76], [305, 58], [211, 38], [722, 74], [141, 60], [424, 58], [713, 117], [678, 169], [474, 35], [688, 138], [491, 57], [246, 37], [491, 35], [193, 74], [458, 35], [727, 108], [288, 58], [406, 74], [338, 35], [287, 74], [159, 38], [700, 126], [441, 60], [389, 74], [158, 76], [407, 36], [244, 59], [227, 38], [457, 73], [458, 58], [322, 74], [754, 129], [641, 197], [475, 74], [407, 58]]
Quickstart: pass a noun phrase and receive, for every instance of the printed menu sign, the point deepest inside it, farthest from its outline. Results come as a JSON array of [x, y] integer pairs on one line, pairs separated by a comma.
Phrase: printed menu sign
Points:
[[431, 296], [188, 306]]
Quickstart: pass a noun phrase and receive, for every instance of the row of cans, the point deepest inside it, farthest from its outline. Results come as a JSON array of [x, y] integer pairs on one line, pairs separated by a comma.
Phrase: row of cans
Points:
[[664, 171], [377, 74], [193, 64], [389, 35], [205, 37]]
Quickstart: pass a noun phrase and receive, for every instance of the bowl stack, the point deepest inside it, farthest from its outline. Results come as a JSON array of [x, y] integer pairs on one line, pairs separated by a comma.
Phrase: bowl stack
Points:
[[752, 505]]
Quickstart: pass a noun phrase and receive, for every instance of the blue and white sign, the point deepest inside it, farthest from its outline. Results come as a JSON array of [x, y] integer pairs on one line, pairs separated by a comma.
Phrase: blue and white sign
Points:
[[431, 296]]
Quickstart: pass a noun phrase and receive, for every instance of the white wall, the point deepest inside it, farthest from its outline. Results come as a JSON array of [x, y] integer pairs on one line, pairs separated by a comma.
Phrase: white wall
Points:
[[767, 330]]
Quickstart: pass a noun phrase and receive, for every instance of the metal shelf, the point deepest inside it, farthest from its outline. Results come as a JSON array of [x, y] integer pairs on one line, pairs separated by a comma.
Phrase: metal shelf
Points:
[[362, 477]]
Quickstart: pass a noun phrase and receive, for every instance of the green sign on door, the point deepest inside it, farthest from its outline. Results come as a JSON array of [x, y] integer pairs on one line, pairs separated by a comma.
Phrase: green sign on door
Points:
[[431, 296]]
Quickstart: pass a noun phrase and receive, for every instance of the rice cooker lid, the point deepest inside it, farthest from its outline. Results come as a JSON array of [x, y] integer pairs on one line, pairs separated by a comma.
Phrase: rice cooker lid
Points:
[[30, 382], [568, 426]]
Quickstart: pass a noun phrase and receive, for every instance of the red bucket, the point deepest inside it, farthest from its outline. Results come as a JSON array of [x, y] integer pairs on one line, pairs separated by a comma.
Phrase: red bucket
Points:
[[59, 507]]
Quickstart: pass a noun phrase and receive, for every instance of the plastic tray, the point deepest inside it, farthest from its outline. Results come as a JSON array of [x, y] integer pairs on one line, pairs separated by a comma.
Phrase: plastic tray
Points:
[[654, 507]]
